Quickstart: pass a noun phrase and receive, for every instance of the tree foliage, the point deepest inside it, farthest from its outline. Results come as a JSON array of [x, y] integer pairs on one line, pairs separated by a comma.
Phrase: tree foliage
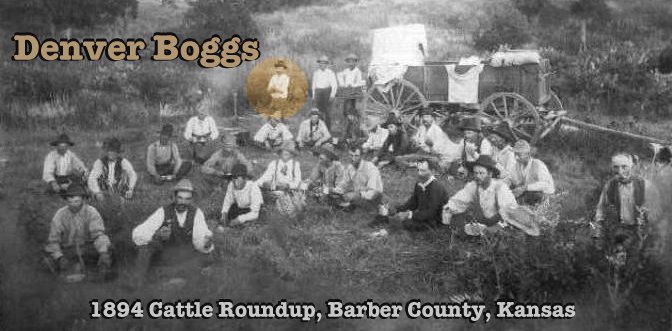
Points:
[[502, 24], [205, 18]]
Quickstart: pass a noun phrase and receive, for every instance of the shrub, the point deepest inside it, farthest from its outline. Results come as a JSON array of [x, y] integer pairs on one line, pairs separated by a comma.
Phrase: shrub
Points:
[[502, 24]]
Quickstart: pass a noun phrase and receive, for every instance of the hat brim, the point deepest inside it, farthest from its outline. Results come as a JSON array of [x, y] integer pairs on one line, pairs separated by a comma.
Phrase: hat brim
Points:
[[58, 142], [470, 128], [322, 62]]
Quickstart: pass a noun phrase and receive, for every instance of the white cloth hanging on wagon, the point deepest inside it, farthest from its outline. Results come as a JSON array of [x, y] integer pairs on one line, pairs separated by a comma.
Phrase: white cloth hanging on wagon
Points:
[[463, 87]]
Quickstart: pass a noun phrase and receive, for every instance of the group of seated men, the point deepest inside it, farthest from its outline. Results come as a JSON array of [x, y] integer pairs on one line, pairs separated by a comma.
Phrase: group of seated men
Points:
[[500, 177]]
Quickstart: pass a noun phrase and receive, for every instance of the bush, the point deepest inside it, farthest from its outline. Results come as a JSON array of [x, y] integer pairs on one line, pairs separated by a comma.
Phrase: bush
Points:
[[205, 18], [502, 25]]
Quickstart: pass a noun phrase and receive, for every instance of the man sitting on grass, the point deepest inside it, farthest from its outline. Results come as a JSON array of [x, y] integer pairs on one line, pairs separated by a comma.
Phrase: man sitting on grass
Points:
[[422, 210], [377, 136], [77, 234], [243, 199], [530, 179], [353, 135], [283, 173], [327, 174], [201, 130], [396, 143], [179, 224], [503, 154], [313, 132], [62, 167], [273, 134], [474, 144], [218, 168], [362, 185], [486, 197], [163, 158], [112, 173]]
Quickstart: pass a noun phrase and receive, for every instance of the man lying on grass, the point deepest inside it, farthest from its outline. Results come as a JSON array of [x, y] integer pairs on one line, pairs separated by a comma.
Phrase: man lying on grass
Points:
[[112, 173], [242, 201], [62, 167], [77, 235], [164, 163], [179, 225]]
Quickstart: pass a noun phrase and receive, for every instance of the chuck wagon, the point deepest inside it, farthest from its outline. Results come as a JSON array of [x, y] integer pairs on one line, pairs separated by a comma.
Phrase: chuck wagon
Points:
[[511, 87]]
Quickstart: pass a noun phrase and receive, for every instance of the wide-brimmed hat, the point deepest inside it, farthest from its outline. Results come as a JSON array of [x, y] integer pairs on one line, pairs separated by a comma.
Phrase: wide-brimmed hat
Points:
[[280, 64], [75, 190], [502, 130], [184, 185], [314, 111], [471, 124], [323, 59], [228, 139], [522, 218], [239, 170], [287, 146], [391, 119], [62, 139], [166, 130], [351, 57], [487, 162], [329, 151], [112, 144], [426, 111]]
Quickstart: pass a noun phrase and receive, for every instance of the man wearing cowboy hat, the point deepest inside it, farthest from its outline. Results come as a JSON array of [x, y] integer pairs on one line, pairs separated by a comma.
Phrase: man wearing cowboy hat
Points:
[[176, 225], [242, 201], [350, 82], [529, 179], [327, 174], [273, 134], [362, 184], [62, 166], [488, 197], [313, 132], [112, 173], [283, 173], [163, 158], [432, 143], [200, 131], [501, 139], [353, 134], [219, 166], [396, 143], [473, 144], [377, 135], [422, 210], [77, 233], [278, 87], [324, 87]]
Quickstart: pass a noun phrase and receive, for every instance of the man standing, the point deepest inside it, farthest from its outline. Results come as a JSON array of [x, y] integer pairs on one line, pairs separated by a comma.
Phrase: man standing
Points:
[[324, 88], [313, 132], [163, 158], [200, 131], [176, 225], [351, 82], [112, 173], [362, 185], [396, 144], [422, 210], [219, 166], [489, 199], [278, 87], [273, 134], [530, 179], [327, 175], [62, 167], [243, 199], [77, 234], [283, 173]]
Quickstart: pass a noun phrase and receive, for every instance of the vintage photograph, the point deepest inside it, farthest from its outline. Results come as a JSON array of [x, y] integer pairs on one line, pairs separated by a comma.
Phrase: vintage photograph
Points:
[[336, 165]]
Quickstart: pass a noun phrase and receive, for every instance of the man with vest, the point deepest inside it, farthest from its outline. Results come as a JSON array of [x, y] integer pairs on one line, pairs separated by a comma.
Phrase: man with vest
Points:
[[273, 134], [313, 132], [242, 201], [324, 87], [529, 179], [627, 202], [396, 143], [62, 167], [179, 225], [473, 144], [77, 235], [488, 198], [362, 185], [163, 158], [283, 173], [201, 130], [112, 173]]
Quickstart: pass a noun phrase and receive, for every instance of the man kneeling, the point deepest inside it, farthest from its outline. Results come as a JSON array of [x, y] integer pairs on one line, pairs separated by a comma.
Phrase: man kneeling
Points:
[[163, 158], [242, 201]]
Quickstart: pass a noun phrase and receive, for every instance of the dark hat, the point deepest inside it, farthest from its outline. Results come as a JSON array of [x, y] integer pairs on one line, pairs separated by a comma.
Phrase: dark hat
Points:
[[487, 162], [280, 64], [166, 130], [329, 151], [471, 124], [112, 144], [75, 190], [426, 111], [239, 170], [352, 57], [391, 119], [503, 131], [314, 111], [63, 138]]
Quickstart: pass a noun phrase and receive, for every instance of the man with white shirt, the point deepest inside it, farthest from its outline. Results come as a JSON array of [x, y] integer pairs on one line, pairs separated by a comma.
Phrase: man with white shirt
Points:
[[112, 173], [200, 131], [503, 154], [278, 87], [376, 138], [486, 197], [273, 134], [283, 173], [473, 144], [432, 144], [62, 167], [177, 225], [362, 185], [242, 201], [324, 89], [313, 132], [529, 179], [350, 81]]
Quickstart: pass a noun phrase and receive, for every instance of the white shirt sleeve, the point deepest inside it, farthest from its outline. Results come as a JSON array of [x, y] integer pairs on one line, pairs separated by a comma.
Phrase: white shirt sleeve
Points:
[[286, 134], [189, 129], [486, 148], [262, 134], [297, 176], [333, 82], [49, 168], [127, 167], [201, 233], [268, 174], [545, 180], [96, 171], [144, 232], [462, 199], [214, 132], [228, 199], [505, 198], [374, 184], [256, 200]]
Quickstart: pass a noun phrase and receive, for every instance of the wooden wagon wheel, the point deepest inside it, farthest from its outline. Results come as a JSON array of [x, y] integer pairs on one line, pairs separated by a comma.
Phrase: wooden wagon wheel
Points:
[[551, 112], [399, 96], [512, 108]]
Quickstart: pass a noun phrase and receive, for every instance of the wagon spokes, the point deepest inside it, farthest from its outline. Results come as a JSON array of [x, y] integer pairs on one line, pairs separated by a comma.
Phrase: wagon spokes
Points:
[[398, 96]]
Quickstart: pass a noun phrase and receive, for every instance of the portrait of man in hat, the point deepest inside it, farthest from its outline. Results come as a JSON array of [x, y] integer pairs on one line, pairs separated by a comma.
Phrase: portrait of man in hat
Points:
[[273, 133], [217, 169], [529, 179], [164, 162], [62, 167], [327, 174], [112, 173], [283, 173], [324, 87], [278, 88], [242, 201], [350, 82]]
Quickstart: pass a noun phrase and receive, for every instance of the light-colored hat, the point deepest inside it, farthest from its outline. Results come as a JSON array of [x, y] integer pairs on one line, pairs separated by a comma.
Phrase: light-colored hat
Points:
[[323, 59], [522, 146], [352, 57], [622, 159], [184, 185], [229, 139], [522, 218], [314, 111]]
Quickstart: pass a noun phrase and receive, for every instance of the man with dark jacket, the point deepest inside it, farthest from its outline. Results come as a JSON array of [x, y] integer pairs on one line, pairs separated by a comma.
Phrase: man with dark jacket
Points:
[[395, 144]]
